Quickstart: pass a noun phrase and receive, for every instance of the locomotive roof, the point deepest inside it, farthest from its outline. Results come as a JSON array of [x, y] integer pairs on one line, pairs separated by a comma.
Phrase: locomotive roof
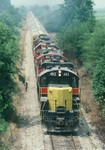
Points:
[[58, 63], [58, 68], [50, 54], [40, 44], [54, 45]]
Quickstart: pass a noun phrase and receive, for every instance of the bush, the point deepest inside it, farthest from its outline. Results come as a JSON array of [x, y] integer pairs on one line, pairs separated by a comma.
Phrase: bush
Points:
[[94, 52], [71, 37], [3, 125]]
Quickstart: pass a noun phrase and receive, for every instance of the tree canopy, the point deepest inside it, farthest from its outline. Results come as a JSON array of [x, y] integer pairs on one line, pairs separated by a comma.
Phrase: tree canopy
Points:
[[80, 10], [78, 20], [94, 56], [10, 19], [9, 53], [71, 37], [4, 4]]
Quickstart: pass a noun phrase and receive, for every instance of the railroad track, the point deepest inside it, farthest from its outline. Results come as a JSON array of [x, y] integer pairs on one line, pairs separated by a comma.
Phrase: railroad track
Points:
[[62, 142]]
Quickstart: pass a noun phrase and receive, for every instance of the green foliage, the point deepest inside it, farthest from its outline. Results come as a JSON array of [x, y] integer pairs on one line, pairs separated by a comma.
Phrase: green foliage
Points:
[[94, 45], [41, 12], [94, 56], [3, 125], [99, 81], [10, 20], [11, 17], [53, 18], [4, 4], [9, 54], [53, 21], [80, 10], [22, 11], [80, 21], [49, 16], [71, 37]]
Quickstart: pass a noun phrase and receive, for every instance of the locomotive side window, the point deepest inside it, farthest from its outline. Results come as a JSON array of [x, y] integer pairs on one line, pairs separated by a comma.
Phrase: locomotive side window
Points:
[[74, 82], [43, 81]]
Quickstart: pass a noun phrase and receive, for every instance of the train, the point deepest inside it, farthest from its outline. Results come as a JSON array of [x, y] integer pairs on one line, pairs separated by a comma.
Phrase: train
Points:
[[57, 82]]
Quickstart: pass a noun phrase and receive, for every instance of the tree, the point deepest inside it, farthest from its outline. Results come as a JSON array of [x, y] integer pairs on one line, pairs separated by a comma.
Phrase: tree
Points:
[[50, 17], [71, 37], [11, 17], [10, 20], [94, 52], [79, 21], [9, 54], [99, 80], [4, 4], [80, 10]]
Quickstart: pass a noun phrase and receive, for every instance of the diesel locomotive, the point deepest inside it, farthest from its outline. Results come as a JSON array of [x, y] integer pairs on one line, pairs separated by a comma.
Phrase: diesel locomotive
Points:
[[59, 98], [57, 83]]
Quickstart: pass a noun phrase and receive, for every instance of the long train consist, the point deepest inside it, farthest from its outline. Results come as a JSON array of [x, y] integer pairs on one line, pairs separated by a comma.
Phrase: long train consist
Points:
[[57, 83]]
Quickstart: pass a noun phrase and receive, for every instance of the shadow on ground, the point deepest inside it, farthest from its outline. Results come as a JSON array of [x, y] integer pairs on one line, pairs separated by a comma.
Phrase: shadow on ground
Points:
[[27, 121]]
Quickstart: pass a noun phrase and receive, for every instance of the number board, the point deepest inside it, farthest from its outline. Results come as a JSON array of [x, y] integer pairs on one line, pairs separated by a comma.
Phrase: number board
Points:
[[53, 74], [66, 74]]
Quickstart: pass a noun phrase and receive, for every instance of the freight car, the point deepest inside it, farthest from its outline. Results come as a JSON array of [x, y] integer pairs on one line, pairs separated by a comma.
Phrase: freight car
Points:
[[57, 83]]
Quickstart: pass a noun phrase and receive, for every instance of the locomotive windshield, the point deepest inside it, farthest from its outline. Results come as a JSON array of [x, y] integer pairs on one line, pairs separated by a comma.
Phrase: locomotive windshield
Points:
[[65, 81]]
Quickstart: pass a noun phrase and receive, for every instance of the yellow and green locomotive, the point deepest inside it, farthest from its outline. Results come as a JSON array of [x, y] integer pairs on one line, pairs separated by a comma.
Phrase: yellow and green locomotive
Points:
[[59, 99]]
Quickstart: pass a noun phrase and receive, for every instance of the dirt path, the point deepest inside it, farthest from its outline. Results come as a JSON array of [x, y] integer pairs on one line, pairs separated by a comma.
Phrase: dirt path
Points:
[[29, 133]]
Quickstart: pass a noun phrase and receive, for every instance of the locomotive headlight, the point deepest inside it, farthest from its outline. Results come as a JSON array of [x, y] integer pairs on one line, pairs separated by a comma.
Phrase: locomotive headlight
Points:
[[59, 74], [59, 71]]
